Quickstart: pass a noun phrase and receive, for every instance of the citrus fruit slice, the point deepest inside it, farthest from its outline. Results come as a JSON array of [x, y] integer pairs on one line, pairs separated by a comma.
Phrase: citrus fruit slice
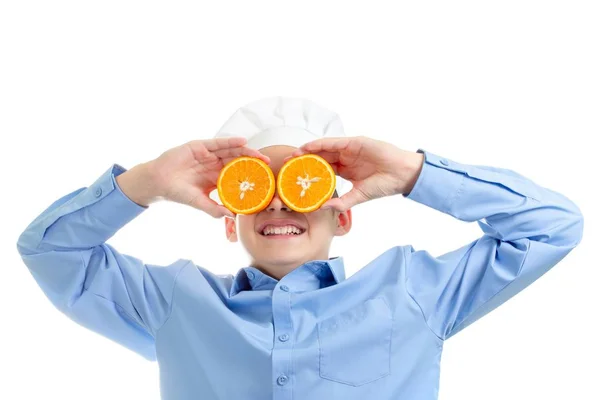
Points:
[[246, 185], [305, 182]]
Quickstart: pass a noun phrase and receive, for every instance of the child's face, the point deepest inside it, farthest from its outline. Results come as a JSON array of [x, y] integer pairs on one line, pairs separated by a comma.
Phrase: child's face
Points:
[[277, 255]]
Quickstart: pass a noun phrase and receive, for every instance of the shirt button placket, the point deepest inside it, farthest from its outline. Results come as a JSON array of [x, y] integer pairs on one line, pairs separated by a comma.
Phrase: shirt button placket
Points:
[[282, 380], [281, 355]]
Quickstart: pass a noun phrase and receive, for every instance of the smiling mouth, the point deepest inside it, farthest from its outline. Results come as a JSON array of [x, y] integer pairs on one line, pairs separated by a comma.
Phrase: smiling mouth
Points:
[[285, 231]]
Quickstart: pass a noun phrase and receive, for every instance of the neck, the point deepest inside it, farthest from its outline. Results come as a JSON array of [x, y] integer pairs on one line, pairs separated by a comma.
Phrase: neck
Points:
[[279, 270]]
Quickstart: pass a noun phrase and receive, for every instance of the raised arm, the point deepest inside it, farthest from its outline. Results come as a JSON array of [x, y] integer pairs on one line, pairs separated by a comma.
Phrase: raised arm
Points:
[[527, 229], [111, 293], [114, 294]]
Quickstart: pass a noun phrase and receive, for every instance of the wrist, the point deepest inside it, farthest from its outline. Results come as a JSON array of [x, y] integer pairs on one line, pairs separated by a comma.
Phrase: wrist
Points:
[[139, 185], [410, 168]]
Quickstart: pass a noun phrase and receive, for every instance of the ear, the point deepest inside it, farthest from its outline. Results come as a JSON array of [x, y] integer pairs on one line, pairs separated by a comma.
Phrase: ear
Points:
[[230, 230], [344, 222]]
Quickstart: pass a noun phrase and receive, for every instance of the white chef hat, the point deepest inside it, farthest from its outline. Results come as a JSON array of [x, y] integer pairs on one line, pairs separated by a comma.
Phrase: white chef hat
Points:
[[286, 121]]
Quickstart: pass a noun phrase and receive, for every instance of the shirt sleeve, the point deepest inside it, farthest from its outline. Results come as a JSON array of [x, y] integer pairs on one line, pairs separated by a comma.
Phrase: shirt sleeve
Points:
[[113, 294], [527, 229]]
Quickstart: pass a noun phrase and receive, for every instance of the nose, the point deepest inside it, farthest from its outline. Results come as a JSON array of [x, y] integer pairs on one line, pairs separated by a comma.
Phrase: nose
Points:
[[277, 204]]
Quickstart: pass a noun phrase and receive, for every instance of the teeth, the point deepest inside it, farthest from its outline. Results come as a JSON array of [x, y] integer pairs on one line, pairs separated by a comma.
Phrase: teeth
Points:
[[281, 230]]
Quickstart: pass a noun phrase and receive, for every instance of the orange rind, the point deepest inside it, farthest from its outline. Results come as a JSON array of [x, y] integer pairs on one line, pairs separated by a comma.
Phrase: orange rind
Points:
[[246, 185], [306, 182]]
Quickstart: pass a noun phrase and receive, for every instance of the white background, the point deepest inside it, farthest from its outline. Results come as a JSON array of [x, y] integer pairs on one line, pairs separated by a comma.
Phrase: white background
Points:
[[512, 84]]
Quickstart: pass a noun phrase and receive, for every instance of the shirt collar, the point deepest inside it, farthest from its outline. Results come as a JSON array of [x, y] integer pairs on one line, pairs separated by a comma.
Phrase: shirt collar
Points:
[[311, 275]]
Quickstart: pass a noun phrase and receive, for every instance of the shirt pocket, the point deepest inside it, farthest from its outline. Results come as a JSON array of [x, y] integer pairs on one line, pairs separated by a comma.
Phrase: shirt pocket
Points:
[[355, 345]]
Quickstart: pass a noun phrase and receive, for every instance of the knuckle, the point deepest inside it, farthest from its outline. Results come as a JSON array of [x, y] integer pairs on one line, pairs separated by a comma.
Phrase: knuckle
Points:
[[192, 143], [212, 212]]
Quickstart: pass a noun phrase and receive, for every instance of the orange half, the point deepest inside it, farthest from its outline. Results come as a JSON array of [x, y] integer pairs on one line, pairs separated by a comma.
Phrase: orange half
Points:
[[306, 182], [246, 185]]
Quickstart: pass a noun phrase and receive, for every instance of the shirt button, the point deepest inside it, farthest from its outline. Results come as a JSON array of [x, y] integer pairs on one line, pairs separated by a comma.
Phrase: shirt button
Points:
[[250, 274], [284, 337], [282, 380], [98, 192], [284, 288], [444, 161]]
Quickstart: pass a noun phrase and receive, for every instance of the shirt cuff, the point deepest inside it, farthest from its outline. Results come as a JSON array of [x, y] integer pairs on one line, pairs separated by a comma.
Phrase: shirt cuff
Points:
[[112, 206], [438, 183]]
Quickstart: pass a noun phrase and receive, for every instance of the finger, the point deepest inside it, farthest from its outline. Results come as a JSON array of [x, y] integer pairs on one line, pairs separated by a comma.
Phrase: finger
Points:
[[333, 203], [331, 158], [224, 143], [202, 148], [345, 202], [231, 153], [335, 168], [211, 207], [224, 212], [334, 144], [219, 211]]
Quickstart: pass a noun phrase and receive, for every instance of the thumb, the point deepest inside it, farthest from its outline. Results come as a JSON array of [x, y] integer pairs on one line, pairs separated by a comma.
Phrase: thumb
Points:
[[345, 202], [212, 208]]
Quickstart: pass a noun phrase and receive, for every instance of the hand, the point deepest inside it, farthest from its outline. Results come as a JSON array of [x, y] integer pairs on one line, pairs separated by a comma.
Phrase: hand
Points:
[[186, 174], [374, 167]]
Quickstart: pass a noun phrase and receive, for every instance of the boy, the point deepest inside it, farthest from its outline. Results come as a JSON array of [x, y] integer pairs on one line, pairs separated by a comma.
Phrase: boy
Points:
[[290, 325]]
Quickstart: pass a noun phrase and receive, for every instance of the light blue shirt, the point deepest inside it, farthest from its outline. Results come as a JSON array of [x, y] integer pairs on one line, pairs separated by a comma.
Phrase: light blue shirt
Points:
[[314, 334]]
